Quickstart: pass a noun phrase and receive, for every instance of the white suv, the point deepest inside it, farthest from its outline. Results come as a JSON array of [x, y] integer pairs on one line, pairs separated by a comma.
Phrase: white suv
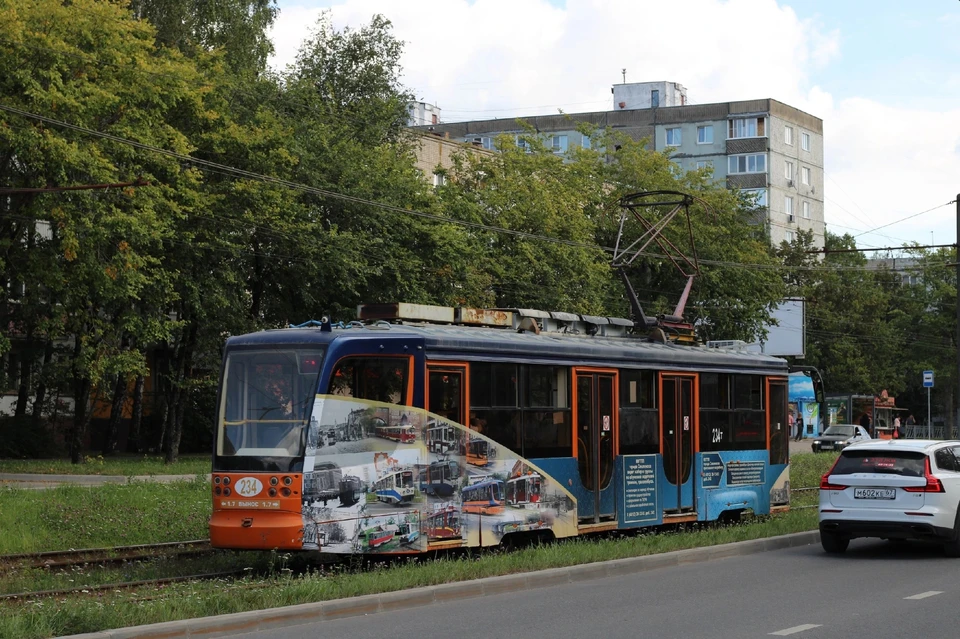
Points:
[[893, 489]]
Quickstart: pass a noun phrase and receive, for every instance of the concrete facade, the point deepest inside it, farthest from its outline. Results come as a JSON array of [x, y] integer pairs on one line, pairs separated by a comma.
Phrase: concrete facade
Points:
[[715, 137], [435, 153]]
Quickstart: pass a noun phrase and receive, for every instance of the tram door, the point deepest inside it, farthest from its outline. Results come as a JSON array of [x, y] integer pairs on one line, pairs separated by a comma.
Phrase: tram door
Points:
[[677, 423], [447, 391], [595, 423]]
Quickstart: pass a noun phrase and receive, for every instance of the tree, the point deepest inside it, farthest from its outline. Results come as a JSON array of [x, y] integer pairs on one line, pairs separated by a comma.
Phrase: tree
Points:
[[103, 249]]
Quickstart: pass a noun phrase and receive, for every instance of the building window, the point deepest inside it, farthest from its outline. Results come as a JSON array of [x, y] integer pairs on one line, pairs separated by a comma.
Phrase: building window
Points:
[[747, 128], [439, 179], [705, 134], [523, 144], [805, 208], [482, 141], [586, 142], [655, 98], [788, 170], [705, 164], [805, 175], [804, 140], [559, 143], [756, 163], [788, 205], [790, 236], [673, 136], [788, 135], [759, 195]]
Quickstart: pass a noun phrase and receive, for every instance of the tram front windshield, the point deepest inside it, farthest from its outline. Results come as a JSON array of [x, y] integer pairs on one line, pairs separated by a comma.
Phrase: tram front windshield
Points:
[[265, 402]]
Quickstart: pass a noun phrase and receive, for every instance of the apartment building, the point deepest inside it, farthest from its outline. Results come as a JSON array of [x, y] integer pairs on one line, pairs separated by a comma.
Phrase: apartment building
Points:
[[763, 147]]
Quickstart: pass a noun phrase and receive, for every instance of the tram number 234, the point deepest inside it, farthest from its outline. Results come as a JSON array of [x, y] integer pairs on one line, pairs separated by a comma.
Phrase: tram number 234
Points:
[[716, 435]]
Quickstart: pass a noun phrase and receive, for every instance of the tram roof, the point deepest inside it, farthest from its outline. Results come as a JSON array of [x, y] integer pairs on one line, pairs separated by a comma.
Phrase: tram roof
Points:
[[500, 344]]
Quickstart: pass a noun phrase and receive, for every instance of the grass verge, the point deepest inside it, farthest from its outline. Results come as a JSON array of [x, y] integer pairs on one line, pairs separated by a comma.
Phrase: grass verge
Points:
[[125, 466], [44, 618]]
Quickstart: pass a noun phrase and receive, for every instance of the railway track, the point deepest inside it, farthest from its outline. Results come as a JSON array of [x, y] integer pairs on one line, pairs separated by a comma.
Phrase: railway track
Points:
[[115, 555], [125, 585]]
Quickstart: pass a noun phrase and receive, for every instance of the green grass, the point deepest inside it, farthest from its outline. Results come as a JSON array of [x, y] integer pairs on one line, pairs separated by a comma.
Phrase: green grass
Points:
[[112, 515], [68, 615], [146, 511], [126, 466]]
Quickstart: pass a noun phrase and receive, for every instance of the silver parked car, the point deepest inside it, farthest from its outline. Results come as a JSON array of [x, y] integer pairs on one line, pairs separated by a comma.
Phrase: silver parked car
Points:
[[839, 436]]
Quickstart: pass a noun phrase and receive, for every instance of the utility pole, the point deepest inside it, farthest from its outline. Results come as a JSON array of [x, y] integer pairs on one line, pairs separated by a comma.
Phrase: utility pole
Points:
[[956, 383]]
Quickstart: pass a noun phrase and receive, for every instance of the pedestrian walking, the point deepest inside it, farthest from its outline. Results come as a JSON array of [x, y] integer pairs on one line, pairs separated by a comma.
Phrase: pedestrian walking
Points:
[[793, 425], [799, 427]]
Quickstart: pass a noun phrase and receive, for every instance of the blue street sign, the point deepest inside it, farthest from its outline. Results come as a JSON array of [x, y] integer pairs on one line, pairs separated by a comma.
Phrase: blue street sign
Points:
[[928, 379]]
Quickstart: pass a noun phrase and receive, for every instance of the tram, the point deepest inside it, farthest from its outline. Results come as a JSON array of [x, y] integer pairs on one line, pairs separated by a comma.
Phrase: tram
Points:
[[443, 524], [395, 487], [483, 498], [524, 491], [621, 423], [439, 478], [441, 437], [402, 434]]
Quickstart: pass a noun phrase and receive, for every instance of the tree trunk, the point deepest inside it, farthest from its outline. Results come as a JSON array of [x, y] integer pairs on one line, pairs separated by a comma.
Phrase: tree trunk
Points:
[[184, 360], [81, 418], [37, 416], [26, 371], [133, 440], [116, 415]]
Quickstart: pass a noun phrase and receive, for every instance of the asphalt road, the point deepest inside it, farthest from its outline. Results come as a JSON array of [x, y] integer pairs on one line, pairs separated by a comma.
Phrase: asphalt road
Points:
[[876, 590]]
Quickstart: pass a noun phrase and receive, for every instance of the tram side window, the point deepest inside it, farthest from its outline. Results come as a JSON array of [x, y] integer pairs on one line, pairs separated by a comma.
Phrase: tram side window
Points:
[[531, 417], [639, 421], [731, 412], [380, 379]]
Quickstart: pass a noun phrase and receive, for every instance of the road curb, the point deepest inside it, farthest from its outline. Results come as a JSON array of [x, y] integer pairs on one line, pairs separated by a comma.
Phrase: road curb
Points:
[[288, 616]]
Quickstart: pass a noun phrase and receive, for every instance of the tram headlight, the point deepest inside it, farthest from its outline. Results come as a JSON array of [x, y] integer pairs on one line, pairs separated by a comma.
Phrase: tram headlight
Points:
[[226, 481], [226, 492], [285, 492], [287, 481], [217, 490], [273, 481], [216, 479], [272, 492]]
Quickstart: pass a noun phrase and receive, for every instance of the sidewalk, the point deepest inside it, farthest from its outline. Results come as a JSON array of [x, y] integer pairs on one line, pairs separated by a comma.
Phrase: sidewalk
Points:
[[23, 480]]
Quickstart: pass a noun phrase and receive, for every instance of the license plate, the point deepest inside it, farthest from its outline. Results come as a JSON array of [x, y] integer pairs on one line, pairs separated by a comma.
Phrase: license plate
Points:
[[875, 493], [826, 445]]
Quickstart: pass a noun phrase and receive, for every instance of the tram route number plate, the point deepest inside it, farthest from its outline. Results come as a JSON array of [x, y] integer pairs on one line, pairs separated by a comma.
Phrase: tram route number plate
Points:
[[874, 493], [252, 504]]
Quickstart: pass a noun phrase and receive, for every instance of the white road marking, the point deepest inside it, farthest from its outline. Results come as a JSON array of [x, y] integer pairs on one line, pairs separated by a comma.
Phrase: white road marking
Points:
[[924, 595], [795, 629]]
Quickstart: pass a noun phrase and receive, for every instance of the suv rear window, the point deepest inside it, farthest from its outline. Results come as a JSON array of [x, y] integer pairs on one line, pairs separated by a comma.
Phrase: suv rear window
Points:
[[906, 463]]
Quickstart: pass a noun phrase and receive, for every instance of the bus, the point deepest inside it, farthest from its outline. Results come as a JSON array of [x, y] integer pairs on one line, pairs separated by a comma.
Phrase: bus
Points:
[[627, 427]]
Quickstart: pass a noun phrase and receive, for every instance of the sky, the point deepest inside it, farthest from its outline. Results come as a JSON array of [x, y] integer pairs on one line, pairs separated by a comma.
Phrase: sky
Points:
[[882, 75]]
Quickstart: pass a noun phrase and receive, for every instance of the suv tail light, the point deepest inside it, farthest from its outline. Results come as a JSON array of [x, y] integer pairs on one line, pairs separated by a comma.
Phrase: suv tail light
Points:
[[933, 484], [825, 482]]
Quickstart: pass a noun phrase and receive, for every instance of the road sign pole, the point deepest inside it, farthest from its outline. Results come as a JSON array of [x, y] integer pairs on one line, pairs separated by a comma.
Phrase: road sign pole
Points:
[[928, 412], [928, 384]]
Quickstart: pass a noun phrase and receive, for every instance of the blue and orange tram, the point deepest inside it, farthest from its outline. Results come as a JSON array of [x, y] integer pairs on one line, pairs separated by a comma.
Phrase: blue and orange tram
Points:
[[625, 429]]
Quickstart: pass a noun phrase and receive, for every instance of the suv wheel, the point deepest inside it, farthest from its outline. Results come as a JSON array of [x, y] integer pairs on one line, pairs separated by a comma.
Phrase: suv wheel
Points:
[[952, 547], [833, 543]]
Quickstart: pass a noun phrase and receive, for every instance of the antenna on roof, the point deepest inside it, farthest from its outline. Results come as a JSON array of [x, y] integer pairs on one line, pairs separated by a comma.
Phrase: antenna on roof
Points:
[[624, 72]]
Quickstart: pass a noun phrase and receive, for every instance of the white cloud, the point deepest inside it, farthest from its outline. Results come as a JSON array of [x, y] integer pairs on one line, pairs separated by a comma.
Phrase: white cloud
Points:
[[482, 59]]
